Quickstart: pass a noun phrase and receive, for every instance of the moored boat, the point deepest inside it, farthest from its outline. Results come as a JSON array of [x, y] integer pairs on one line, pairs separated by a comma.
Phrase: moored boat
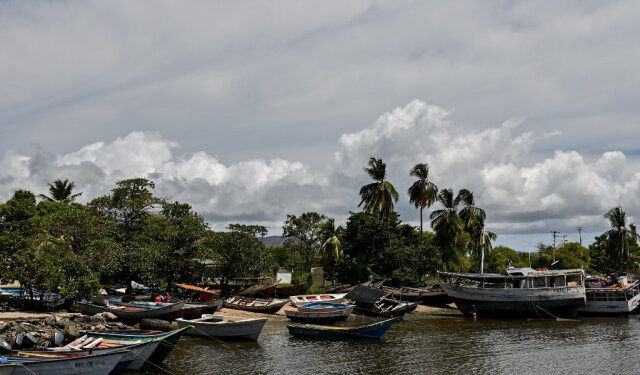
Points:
[[430, 296], [323, 306], [372, 301], [261, 305], [190, 310], [167, 340], [223, 327], [521, 292], [291, 290], [130, 311], [64, 364], [259, 290], [611, 299], [369, 331], [308, 298], [319, 315]]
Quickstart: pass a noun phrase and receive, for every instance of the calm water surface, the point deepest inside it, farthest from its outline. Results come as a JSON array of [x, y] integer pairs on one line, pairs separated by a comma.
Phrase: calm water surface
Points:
[[426, 344]]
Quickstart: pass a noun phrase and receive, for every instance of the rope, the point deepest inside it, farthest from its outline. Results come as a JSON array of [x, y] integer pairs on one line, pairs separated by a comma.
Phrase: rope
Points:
[[28, 369]]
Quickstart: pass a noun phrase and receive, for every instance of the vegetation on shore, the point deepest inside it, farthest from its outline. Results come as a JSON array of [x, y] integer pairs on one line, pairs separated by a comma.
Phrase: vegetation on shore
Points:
[[51, 243]]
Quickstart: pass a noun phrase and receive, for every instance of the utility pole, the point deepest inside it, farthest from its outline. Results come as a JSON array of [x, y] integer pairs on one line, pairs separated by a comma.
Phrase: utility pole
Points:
[[482, 253], [564, 239], [555, 234], [580, 234]]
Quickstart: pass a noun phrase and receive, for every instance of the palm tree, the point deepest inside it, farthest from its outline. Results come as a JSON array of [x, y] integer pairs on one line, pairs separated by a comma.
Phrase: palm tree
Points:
[[332, 253], [423, 193], [61, 191], [480, 238], [446, 222], [378, 196], [619, 235], [469, 211]]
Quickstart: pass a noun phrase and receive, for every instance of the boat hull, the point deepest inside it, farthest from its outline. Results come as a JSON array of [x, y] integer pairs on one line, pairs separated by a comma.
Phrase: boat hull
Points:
[[309, 298], [100, 364], [372, 331], [610, 302], [250, 304], [514, 302], [156, 313], [244, 329], [316, 316]]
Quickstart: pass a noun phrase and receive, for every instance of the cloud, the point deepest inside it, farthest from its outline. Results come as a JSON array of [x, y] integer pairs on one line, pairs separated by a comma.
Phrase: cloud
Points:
[[559, 191]]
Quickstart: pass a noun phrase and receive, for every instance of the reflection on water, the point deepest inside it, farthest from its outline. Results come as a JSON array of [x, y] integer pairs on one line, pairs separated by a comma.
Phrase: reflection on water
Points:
[[435, 345]]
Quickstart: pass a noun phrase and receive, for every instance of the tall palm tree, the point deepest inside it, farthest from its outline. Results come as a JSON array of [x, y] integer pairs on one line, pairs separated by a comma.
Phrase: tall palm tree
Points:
[[378, 196], [61, 191], [469, 211], [619, 235], [480, 238], [423, 193], [446, 222], [332, 253]]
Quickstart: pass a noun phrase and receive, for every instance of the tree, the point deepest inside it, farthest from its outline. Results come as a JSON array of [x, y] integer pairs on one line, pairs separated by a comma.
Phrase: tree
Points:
[[254, 230], [61, 191], [303, 236], [378, 196], [331, 250], [572, 255], [502, 257], [448, 225], [422, 193], [619, 236], [480, 237]]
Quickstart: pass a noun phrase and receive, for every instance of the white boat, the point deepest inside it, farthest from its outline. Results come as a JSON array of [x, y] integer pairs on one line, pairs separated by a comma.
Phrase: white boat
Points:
[[136, 355], [308, 298], [521, 292], [261, 305], [7, 369], [130, 311], [611, 300], [99, 364], [223, 327]]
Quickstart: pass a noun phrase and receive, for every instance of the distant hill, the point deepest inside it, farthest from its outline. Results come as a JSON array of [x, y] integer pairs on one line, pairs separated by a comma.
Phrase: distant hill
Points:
[[271, 241]]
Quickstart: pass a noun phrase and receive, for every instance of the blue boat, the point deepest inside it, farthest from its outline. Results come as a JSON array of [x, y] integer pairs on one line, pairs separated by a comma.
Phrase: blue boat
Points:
[[369, 331], [324, 306]]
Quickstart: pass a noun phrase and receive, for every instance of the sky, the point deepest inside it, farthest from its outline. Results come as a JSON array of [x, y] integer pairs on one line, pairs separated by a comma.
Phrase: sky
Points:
[[250, 111]]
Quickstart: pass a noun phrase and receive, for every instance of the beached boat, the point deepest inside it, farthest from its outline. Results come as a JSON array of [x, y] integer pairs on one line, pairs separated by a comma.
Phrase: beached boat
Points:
[[167, 340], [369, 331], [323, 306], [521, 292], [7, 368], [223, 327], [372, 301], [611, 299], [64, 364], [198, 292], [265, 306], [190, 310], [130, 311], [308, 298], [319, 315], [431, 296], [259, 290], [291, 290]]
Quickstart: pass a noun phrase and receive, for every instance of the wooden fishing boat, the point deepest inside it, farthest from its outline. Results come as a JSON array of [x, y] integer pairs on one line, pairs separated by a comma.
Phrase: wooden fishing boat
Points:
[[431, 296], [64, 364], [372, 301], [203, 294], [259, 290], [223, 327], [611, 299], [308, 298], [291, 290], [521, 292], [369, 331], [7, 368], [130, 311], [265, 306], [167, 340], [136, 355], [323, 306], [326, 315], [190, 310]]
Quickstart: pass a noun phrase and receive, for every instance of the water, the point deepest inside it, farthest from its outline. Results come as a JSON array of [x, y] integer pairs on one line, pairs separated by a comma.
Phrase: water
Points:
[[426, 344]]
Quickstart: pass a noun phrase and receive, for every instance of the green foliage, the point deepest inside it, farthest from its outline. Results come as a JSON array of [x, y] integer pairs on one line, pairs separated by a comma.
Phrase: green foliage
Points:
[[379, 196], [572, 255], [61, 191], [502, 257], [304, 235]]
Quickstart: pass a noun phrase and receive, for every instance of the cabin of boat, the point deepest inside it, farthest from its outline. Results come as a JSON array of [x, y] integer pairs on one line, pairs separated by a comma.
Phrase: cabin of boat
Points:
[[606, 300], [522, 291]]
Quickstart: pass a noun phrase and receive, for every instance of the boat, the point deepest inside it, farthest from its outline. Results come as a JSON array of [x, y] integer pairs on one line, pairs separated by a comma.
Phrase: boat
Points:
[[611, 299], [41, 301], [323, 306], [190, 310], [291, 290], [136, 355], [324, 314], [261, 305], [369, 331], [7, 368], [128, 311], [431, 296], [521, 292], [308, 298], [372, 301], [223, 327], [64, 364], [167, 340], [259, 290], [203, 294]]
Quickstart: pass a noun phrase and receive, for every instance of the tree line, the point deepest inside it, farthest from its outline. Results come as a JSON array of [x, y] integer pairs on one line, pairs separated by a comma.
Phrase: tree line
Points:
[[52, 243]]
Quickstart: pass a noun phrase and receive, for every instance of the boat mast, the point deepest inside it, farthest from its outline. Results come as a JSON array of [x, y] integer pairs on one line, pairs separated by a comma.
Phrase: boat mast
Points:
[[482, 253]]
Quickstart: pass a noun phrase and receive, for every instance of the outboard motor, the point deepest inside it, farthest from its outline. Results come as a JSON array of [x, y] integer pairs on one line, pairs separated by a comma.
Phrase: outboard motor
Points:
[[17, 341], [57, 339], [30, 340]]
